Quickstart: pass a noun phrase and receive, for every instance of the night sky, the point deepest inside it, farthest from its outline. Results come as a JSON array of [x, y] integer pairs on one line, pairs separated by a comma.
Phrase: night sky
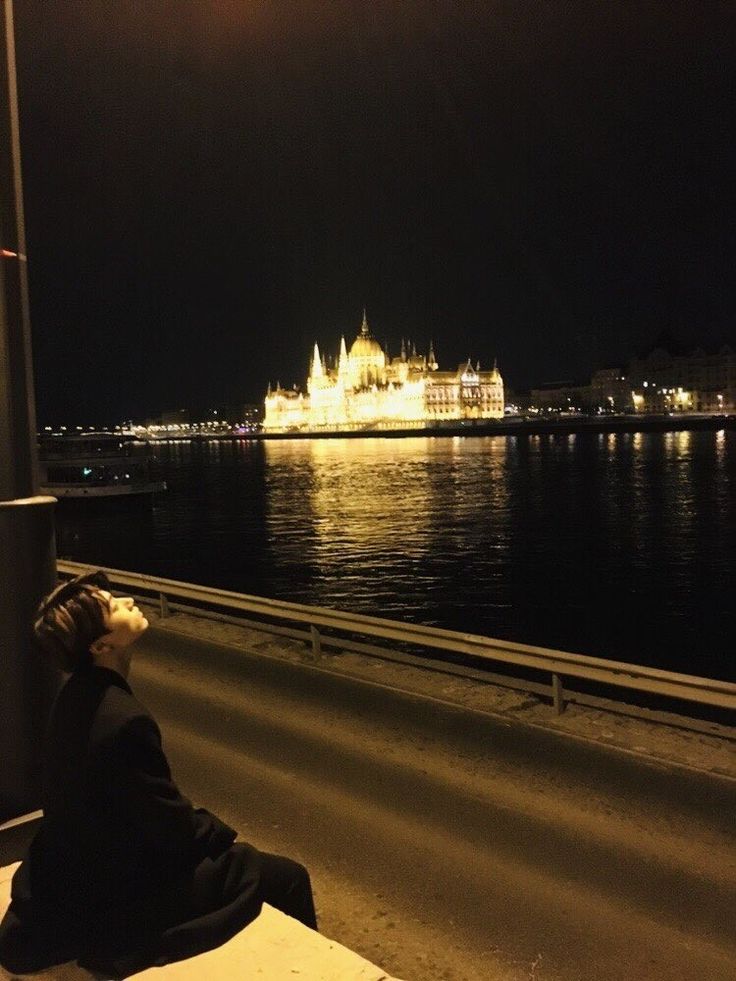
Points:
[[213, 185]]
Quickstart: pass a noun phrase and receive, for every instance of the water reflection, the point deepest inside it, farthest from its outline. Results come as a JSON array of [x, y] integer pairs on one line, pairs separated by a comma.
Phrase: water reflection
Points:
[[620, 545], [382, 524]]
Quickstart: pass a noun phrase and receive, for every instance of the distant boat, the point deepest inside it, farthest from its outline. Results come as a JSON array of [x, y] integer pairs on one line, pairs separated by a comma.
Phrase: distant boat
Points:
[[97, 465]]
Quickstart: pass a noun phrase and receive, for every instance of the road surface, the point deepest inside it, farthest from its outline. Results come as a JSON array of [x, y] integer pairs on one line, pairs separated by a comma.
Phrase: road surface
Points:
[[448, 844]]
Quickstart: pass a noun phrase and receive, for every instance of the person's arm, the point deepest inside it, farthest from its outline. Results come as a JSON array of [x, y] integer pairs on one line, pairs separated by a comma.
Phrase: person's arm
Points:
[[140, 786]]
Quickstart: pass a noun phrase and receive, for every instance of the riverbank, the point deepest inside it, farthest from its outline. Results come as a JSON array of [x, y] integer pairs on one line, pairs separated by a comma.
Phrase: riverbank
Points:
[[510, 426], [566, 425]]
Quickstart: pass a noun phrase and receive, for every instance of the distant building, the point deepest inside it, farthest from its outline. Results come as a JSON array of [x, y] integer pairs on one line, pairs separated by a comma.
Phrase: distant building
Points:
[[657, 382], [610, 391], [692, 382], [366, 389], [245, 418], [565, 396]]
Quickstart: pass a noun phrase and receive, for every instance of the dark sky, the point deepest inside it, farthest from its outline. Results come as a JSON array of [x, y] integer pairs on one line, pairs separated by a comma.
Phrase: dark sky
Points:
[[213, 185]]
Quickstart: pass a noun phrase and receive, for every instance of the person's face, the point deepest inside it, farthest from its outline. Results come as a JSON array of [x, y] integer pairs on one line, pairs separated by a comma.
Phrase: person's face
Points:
[[124, 621]]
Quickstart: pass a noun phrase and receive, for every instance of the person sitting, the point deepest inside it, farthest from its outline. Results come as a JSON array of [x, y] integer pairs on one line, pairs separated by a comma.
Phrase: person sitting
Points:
[[124, 873]]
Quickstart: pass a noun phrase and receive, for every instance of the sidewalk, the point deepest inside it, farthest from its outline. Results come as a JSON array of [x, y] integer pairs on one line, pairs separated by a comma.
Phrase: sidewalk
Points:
[[274, 947]]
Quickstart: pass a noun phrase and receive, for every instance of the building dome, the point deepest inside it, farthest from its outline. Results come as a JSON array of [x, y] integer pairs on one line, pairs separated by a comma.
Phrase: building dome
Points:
[[365, 347], [366, 359]]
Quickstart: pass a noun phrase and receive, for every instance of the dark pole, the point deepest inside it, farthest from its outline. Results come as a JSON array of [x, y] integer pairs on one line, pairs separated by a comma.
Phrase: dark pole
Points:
[[27, 546]]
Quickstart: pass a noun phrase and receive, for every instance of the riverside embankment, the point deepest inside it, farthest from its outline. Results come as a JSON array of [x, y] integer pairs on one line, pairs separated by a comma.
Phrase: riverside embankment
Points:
[[510, 426]]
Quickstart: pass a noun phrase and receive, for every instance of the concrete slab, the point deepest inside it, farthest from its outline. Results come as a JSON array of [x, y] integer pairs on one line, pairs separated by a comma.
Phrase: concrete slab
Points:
[[274, 947]]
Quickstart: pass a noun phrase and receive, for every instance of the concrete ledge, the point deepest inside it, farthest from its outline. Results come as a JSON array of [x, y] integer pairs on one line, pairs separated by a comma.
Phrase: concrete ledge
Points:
[[274, 947]]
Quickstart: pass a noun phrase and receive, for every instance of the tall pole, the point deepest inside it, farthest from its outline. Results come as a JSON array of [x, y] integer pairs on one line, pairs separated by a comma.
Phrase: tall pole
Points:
[[27, 546]]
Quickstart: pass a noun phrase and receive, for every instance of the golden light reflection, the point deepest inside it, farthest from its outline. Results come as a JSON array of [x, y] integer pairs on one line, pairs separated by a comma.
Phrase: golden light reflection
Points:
[[721, 447], [678, 444], [371, 501]]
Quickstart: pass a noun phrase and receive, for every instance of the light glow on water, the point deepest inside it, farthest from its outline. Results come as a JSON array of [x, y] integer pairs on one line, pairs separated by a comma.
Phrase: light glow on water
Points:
[[618, 546]]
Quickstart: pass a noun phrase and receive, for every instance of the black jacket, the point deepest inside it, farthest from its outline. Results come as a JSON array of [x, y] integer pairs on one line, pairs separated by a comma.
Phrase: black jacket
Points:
[[123, 873]]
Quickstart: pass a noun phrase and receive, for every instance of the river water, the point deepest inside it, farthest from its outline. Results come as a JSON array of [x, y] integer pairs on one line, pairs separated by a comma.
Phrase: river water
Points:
[[615, 545]]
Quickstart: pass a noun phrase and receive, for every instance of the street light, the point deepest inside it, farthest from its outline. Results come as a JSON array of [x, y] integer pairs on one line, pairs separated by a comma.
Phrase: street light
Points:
[[27, 547]]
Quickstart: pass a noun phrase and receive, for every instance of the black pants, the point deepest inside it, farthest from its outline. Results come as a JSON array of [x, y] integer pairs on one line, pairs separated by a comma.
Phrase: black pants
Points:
[[284, 884], [190, 918]]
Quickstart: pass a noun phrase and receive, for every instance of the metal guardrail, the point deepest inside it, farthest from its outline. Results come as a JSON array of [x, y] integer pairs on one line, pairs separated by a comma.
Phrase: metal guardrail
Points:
[[559, 664]]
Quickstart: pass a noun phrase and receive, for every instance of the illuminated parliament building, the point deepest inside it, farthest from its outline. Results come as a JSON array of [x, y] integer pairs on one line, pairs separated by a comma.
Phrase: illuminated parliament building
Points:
[[365, 389]]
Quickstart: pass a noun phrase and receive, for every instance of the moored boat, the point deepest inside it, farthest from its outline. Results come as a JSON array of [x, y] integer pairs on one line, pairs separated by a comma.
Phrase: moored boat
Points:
[[97, 465]]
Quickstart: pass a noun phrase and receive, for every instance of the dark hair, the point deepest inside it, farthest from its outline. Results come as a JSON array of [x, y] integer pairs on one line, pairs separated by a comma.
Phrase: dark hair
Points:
[[70, 619]]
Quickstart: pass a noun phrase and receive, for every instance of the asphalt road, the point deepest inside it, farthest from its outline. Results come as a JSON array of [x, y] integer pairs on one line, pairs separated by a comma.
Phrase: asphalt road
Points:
[[446, 844]]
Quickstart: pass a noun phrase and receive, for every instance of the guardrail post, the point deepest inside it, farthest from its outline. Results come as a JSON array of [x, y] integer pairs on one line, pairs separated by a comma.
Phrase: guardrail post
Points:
[[316, 643], [164, 605], [558, 695]]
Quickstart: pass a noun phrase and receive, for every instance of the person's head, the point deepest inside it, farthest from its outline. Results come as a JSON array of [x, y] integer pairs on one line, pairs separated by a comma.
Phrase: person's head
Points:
[[81, 622]]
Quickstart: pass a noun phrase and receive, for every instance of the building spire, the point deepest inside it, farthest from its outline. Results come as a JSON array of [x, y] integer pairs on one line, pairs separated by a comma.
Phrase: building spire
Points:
[[317, 371], [364, 326], [342, 361]]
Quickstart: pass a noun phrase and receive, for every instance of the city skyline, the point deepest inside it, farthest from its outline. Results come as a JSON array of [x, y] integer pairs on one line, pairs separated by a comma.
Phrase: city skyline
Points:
[[665, 360], [210, 188]]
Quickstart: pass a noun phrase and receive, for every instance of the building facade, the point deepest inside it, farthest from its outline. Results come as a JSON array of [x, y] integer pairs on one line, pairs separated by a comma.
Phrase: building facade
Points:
[[694, 382], [659, 383], [366, 389], [565, 396], [610, 391]]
